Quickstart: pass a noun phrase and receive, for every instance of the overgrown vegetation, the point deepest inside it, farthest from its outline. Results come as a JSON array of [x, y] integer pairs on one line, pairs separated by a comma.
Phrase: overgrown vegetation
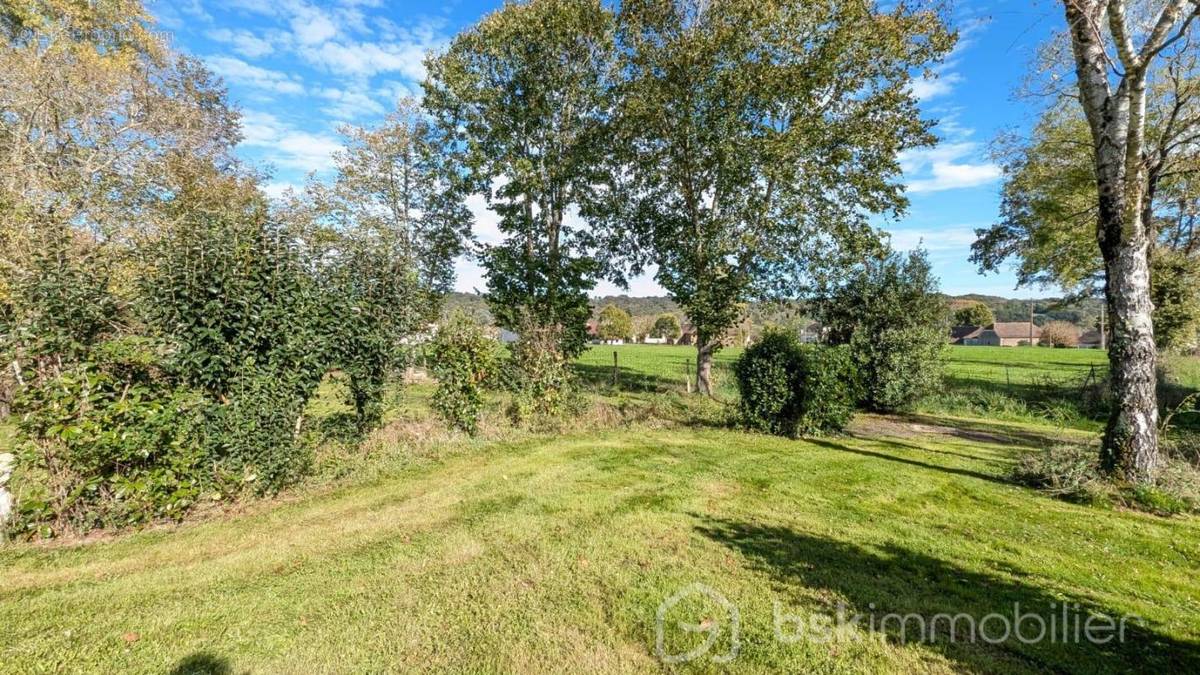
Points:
[[465, 363], [1073, 472], [165, 327]]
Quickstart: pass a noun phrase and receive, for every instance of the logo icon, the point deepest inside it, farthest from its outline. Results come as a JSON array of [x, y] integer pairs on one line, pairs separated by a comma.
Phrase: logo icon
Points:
[[711, 626]]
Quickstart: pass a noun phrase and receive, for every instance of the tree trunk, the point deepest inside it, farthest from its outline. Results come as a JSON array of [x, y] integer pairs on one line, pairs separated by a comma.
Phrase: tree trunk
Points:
[[1117, 119], [704, 361], [1130, 448]]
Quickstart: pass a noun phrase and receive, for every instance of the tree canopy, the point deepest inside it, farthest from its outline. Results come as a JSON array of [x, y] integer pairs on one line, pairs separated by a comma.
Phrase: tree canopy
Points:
[[614, 323], [522, 98], [977, 314], [755, 140]]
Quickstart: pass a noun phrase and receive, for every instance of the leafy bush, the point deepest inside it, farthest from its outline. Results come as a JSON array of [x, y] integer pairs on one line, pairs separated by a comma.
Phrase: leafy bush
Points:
[[108, 443], [463, 360], [975, 314], [892, 317], [252, 435], [788, 388]]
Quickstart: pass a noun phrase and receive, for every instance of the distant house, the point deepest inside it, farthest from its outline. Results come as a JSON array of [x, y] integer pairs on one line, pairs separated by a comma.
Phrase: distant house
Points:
[[965, 335], [1009, 334]]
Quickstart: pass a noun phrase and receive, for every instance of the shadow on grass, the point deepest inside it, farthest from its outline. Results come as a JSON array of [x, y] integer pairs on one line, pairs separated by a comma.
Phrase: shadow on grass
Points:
[[842, 447], [602, 376], [898, 593], [983, 431], [202, 663]]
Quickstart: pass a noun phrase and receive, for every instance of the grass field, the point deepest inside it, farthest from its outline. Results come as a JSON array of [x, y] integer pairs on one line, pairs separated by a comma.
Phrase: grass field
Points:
[[555, 554], [666, 366], [1059, 386]]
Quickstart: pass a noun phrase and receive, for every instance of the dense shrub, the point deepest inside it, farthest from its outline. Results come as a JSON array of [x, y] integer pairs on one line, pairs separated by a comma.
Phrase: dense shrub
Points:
[[463, 360], [231, 292], [108, 443], [892, 317], [252, 435], [788, 388]]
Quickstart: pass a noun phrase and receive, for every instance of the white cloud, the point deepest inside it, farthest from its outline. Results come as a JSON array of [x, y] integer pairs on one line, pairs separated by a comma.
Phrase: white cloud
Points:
[[267, 7], [925, 88], [312, 26], [286, 146], [942, 168], [243, 42], [951, 176], [366, 59], [240, 72], [487, 221], [951, 238], [278, 189], [468, 276], [348, 104]]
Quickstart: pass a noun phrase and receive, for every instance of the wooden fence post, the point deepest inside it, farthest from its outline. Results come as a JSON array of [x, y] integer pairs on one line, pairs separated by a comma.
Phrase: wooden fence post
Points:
[[687, 374], [616, 369]]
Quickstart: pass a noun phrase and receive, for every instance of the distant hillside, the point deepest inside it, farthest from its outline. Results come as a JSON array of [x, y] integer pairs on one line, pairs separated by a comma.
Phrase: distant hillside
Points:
[[1083, 313]]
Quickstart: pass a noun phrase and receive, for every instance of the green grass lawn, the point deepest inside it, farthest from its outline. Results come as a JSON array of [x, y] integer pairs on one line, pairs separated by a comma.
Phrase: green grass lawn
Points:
[[1030, 384], [554, 554]]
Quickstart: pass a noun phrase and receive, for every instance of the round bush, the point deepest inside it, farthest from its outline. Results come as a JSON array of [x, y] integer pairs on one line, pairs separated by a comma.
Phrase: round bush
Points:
[[789, 389]]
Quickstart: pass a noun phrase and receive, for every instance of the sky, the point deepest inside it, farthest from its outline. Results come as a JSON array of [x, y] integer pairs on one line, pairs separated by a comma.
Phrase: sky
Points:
[[300, 69]]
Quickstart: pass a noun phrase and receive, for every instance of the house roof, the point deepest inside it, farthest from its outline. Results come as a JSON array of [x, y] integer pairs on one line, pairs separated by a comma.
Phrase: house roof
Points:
[[1014, 329], [1090, 337], [964, 332]]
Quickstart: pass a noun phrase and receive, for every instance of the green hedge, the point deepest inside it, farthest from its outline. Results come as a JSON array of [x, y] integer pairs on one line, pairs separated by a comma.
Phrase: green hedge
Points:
[[790, 389]]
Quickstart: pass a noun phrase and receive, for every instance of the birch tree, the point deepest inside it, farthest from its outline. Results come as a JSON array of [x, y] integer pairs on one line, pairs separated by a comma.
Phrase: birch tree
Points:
[[1115, 49]]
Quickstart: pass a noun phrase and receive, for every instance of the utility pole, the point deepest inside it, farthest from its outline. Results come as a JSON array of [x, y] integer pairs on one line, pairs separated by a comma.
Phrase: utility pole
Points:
[[1103, 340], [1031, 322]]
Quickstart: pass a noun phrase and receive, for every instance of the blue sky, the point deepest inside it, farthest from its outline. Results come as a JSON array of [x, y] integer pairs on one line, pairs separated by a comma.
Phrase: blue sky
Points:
[[300, 68]]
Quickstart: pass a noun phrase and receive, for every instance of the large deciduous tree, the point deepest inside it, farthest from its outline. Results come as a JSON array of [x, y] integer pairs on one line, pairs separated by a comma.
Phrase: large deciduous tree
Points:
[[1115, 52], [1049, 206], [614, 323], [975, 314], [97, 115], [522, 98], [757, 139]]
